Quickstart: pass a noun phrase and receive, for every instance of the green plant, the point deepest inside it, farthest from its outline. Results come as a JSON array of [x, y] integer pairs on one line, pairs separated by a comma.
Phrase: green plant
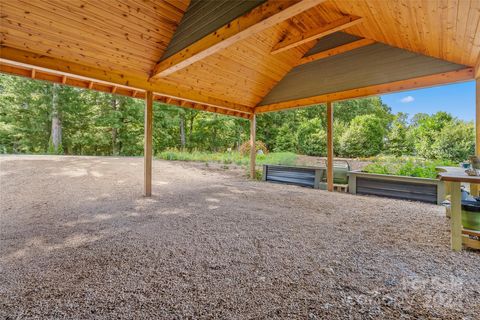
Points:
[[364, 137], [285, 158], [406, 166], [312, 138]]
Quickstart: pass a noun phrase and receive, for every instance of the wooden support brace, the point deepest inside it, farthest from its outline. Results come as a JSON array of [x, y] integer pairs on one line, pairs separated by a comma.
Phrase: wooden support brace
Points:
[[456, 216], [253, 151], [474, 188], [329, 146], [322, 31], [148, 143]]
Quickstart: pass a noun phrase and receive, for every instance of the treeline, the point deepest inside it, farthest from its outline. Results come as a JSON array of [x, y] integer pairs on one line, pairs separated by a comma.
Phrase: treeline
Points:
[[39, 117]]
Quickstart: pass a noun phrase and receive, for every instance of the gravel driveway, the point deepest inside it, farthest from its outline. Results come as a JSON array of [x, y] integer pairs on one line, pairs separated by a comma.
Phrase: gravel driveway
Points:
[[78, 241]]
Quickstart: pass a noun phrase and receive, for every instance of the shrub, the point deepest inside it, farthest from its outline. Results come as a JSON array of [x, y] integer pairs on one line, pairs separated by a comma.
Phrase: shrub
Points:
[[456, 141], [312, 138], [406, 166], [399, 140], [286, 139], [364, 137]]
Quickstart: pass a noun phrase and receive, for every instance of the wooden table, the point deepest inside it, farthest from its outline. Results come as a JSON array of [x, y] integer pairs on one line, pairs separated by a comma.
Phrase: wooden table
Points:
[[455, 176]]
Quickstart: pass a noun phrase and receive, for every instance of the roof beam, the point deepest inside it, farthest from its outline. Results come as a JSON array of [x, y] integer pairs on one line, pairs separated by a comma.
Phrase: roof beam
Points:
[[128, 92], [295, 40], [420, 82], [477, 68], [337, 50], [16, 56], [260, 18]]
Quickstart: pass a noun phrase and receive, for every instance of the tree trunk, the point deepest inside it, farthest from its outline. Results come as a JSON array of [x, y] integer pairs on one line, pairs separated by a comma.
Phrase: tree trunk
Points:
[[56, 133], [190, 132], [114, 129], [182, 131]]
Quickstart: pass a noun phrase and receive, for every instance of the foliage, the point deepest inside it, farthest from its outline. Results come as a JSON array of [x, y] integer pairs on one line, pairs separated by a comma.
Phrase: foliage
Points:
[[259, 145], [286, 139], [425, 129], [312, 138], [399, 140], [95, 123], [406, 166], [364, 137], [285, 158], [456, 141]]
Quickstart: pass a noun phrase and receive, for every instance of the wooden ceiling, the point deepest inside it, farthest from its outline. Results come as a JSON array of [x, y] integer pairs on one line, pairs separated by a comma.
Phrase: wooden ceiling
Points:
[[123, 41]]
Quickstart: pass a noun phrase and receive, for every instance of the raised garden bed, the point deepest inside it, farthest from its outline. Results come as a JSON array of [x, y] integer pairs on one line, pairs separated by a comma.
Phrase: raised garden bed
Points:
[[300, 176], [398, 187], [313, 177]]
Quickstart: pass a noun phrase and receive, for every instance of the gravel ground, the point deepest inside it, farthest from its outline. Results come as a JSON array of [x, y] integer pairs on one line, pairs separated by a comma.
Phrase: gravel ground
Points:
[[78, 241]]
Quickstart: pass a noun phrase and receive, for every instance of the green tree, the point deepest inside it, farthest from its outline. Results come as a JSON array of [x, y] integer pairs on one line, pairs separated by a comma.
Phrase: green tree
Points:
[[425, 131], [312, 138], [364, 137], [399, 139], [456, 141], [286, 139]]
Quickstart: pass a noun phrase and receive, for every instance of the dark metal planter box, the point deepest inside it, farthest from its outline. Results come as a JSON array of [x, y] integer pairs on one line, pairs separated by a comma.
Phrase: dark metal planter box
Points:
[[398, 187], [300, 176]]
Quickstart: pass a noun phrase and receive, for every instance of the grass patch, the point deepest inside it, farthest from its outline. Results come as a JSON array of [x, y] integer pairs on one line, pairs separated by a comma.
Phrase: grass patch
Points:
[[406, 166], [284, 158]]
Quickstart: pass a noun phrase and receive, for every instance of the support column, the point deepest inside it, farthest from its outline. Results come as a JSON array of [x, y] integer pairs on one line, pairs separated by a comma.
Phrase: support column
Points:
[[253, 152], [456, 217], [477, 117], [330, 154], [474, 188], [147, 154]]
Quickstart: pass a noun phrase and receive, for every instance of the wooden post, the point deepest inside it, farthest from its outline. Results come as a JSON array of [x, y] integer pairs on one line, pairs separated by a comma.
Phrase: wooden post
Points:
[[329, 146], [253, 152], [456, 217], [148, 143], [477, 117], [474, 187]]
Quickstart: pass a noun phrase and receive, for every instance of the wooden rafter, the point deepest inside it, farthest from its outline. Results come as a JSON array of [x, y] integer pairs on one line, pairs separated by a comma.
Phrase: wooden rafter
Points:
[[11, 55], [296, 40], [260, 18], [477, 68], [108, 88], [420, 82], [337, 50]]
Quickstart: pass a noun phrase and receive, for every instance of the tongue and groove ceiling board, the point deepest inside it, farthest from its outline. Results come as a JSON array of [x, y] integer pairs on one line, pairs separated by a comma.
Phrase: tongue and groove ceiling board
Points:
[[122, 35], [122, 41], [244, 72], [444, 29], [204, 17]]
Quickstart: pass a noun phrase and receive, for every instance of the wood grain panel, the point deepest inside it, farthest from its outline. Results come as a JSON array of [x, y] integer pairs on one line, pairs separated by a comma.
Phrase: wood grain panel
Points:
[[445, 29], [122, 39], [116, 35]]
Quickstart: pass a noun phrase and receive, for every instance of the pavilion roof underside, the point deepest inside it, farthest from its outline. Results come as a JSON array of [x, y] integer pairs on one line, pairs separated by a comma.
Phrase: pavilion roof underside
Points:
[[241, 57]]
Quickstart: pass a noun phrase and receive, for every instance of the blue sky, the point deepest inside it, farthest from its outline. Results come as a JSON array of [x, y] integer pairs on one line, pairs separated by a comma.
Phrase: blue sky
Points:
[[456, 99]]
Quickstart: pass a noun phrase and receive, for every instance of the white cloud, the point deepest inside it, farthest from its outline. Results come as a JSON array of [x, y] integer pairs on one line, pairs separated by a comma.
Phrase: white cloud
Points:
[[407, 99]]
